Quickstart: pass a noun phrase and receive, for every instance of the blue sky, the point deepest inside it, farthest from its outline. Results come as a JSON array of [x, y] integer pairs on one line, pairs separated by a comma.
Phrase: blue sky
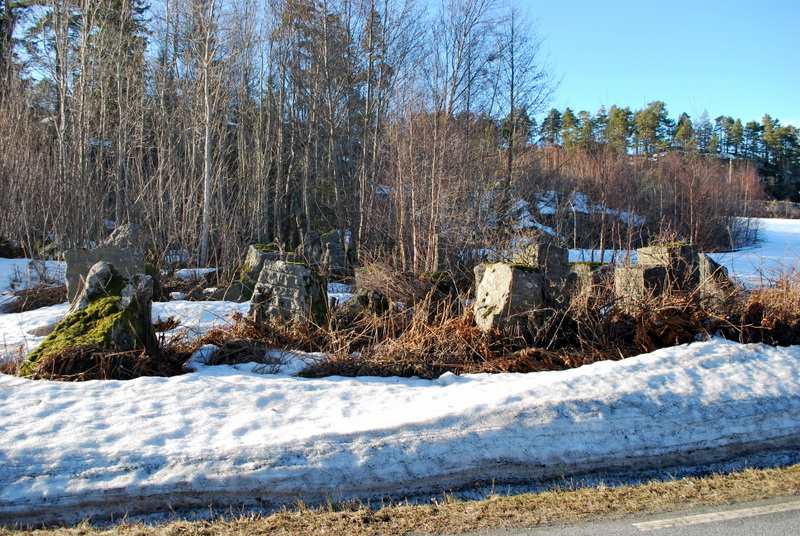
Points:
[[735, 57]]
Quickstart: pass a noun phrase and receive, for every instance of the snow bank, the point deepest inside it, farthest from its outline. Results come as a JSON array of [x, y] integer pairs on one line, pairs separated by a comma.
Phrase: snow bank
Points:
[[227, 436]]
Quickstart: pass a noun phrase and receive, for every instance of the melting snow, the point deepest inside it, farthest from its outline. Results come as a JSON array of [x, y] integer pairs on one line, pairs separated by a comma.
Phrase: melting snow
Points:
[[225, 434]]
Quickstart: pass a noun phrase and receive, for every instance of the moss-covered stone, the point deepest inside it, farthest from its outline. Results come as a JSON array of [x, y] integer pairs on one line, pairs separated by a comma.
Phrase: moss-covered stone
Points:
[[112, 313]]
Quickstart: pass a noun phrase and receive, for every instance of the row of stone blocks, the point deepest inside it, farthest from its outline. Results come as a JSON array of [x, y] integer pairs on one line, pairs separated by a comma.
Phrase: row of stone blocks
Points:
[[675, 268], [509, 295]]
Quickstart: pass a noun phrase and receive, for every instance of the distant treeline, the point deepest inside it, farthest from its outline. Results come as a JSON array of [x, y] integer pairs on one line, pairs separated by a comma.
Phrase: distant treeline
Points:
[[773, 146]]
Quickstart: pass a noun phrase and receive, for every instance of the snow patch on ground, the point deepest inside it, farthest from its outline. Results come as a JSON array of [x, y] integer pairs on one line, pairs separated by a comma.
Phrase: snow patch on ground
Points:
[[194, 274], [18, 330], [227, 435], [341, 292]]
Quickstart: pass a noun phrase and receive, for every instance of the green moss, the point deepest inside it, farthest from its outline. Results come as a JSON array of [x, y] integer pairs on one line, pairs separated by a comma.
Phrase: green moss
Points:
[[92, 326], [524, 267], [266, 248]]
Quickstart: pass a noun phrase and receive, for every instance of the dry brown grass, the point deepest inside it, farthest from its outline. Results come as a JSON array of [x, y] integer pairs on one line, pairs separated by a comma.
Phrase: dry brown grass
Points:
[[83, 363], [453, 516], [36, 297], [436, 334]]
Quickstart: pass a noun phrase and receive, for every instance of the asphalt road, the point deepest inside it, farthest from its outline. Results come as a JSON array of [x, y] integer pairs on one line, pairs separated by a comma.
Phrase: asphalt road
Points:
[[776, 517]]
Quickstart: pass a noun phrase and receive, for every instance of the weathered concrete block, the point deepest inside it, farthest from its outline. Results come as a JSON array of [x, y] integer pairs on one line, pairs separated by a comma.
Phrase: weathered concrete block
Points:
[[128, 262], [714, 284], [633, 284], [585, 277], [257, 254], [680, 260], [290, 291], [507, 294], [546, 256]]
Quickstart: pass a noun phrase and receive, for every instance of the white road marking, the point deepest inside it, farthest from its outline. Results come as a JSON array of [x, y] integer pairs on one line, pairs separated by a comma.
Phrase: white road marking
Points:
[[717, 516]]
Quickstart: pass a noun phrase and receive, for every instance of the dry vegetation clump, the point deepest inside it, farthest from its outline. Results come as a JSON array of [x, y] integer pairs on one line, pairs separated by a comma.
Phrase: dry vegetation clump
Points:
[[432, 337], [83, 363], [437, 334], [772, 314], [36, 297]]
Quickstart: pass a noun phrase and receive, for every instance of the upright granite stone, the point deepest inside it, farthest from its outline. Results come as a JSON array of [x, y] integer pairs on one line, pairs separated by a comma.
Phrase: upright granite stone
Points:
[[126, 261], [125, 236], [112, 313], [291, 291], [257, 255], [506, 296], [714, 284]]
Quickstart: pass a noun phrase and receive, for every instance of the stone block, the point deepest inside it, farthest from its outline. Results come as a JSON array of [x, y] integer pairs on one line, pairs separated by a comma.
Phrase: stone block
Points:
[[290, 291], [679, 259], [128, 262], [546, 256], [714, 284], [112, 313], [633, 284], [584, 277], [506, 295]]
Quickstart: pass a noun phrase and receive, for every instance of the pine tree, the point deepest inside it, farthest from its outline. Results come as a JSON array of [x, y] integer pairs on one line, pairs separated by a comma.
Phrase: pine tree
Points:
[[550, 131], [653, 127], [703, 132], [585, 133], [752, 139], [684, 133], [569, 129], [737, 136], [618, 129]]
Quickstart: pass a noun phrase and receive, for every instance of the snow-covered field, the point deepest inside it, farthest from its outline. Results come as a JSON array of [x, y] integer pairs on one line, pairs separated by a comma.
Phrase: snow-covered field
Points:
[[226, 435], [777, 253]]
